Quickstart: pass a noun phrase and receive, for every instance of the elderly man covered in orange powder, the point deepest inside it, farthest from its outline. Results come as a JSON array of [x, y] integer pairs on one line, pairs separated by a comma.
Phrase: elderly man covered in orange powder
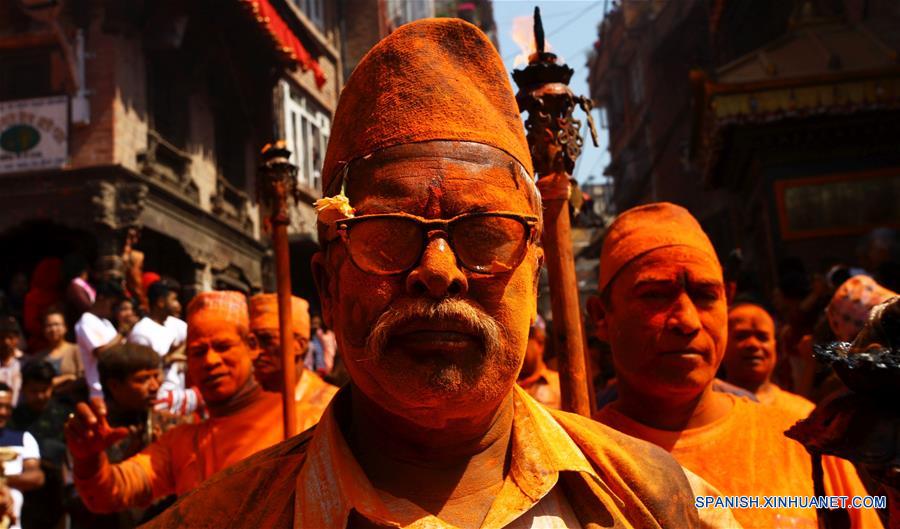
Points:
[[312, 394], [243, 418], [430, 285], [750, 359], [662, 309]]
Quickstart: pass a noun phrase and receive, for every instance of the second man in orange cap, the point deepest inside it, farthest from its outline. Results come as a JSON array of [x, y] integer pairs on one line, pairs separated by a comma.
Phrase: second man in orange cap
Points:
[[312, 394]]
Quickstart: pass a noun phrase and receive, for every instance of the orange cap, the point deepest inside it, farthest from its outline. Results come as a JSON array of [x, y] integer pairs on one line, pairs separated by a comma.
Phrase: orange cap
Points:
[[646, 228], [849, 308], [228, 305], [264, 313], [432, 79]]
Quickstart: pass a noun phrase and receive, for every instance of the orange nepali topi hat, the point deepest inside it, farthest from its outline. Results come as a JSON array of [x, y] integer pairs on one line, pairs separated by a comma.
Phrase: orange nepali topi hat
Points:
[[430, 80], [228, 305], [643, 229], [264, 313]]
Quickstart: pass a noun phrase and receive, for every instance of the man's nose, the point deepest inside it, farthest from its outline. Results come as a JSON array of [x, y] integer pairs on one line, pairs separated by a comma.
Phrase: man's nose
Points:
[[750, 344], [437, 275], [684, 318], [211, 359]]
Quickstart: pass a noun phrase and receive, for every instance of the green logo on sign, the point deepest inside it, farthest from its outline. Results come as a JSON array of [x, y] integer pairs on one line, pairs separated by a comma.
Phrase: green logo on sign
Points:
[[19, 138]]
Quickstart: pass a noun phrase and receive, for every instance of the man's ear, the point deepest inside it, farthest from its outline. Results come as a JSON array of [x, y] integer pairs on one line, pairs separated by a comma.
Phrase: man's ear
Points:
[[322, 278], [537, 271], [597, 313]]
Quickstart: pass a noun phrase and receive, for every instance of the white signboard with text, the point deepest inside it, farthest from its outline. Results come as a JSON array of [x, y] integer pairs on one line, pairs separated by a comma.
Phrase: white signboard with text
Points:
[[34, 133]]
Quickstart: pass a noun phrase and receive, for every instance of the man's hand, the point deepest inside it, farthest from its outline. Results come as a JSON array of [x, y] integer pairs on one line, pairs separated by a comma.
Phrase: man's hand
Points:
[[87, 432]]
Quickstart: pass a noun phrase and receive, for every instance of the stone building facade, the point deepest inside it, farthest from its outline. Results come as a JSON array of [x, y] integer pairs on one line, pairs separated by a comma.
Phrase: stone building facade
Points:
[[774, 123], [160, 109]]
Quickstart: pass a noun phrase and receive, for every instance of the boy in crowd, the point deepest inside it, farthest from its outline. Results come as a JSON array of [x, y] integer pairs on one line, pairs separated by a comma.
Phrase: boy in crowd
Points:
[[23, 473], [43, 417]]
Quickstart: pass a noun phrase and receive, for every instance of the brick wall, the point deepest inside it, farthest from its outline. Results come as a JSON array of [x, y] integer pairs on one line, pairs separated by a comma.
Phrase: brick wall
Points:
[[93, 144]]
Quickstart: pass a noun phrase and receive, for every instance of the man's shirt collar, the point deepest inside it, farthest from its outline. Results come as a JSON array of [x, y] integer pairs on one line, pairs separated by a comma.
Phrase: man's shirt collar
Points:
[[332, 484]]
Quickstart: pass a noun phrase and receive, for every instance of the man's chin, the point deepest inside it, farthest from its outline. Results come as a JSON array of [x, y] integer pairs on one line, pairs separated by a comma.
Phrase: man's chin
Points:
[[271, 385]]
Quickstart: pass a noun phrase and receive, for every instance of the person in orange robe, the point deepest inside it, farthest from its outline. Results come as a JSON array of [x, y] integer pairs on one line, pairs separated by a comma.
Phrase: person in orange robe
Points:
[[750, 359], [243, 419], [536, 378], [432, 316], [662, 309], [312, 394]]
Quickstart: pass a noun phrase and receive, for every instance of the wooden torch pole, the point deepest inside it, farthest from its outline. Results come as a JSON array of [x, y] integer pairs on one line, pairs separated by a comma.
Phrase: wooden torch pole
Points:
[[555, 141], [277, 182]]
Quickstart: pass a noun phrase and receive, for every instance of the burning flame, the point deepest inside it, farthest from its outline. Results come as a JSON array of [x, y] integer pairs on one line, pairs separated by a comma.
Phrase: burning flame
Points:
[[523, 35]]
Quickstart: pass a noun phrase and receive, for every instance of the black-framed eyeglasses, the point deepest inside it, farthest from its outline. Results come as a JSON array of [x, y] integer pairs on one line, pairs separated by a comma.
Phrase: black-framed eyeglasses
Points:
[[393, 243]]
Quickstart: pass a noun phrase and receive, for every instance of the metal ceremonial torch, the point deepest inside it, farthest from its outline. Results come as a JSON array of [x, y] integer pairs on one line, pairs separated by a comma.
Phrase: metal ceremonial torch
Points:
[[277, 182], [555, 141]]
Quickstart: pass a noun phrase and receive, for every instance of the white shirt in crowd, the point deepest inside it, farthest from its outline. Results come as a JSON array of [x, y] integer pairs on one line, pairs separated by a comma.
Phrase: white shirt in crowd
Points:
[[161, 338], [148, 333], [28, 449], [92, 332], [179, 327]]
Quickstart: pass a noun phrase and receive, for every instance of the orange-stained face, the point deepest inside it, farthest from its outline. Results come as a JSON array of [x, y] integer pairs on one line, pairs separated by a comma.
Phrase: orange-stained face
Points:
[[750, 356], [267, 361], [218, 356], [667, 322], [438, 341], [137, 391]]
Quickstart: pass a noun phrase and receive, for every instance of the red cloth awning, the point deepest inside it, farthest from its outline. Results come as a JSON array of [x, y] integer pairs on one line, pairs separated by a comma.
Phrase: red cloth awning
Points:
[[285, 41]]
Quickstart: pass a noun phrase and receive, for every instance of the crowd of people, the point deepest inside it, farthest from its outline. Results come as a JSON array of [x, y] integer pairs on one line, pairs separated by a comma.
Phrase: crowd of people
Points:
[[128, 366], [450, 415]]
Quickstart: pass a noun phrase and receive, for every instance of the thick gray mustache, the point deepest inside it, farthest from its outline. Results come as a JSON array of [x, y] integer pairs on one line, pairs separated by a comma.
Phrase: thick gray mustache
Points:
[[478, 321]]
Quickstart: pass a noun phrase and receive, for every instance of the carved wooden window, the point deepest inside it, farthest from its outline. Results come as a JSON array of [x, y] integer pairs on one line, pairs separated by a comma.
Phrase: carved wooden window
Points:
[[306, 131], [838, 204], [314, 9]]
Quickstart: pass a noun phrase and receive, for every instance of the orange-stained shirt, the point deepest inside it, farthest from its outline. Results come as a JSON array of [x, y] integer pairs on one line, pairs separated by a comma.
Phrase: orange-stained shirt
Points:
[[312, 396], [184, 457], [746, 453], [314, 481], [792, 403], [544, 387]]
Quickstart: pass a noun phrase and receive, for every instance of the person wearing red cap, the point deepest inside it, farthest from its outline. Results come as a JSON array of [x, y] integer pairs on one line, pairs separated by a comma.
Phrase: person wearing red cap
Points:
[[243, 419], [750, 359], [662, 309], [312, 394], [428, 275]]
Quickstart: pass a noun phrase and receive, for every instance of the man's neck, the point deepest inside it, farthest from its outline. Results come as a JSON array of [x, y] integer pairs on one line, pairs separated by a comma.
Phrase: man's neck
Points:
[[530, 369], [244, 397], [451, 473], [159, 316], [672, 413], [753, 386], [6, 355]]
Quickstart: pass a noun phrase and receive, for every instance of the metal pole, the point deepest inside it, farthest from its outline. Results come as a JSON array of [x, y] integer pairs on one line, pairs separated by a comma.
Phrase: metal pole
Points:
[[555, 141], [276, 183]]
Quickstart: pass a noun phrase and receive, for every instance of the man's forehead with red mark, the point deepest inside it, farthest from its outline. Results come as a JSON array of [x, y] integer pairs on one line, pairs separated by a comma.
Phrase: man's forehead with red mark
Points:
[[693, 268], [443, 181]]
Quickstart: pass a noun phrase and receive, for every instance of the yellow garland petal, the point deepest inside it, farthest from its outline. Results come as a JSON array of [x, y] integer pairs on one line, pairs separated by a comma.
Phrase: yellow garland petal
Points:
[[332, 209]]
